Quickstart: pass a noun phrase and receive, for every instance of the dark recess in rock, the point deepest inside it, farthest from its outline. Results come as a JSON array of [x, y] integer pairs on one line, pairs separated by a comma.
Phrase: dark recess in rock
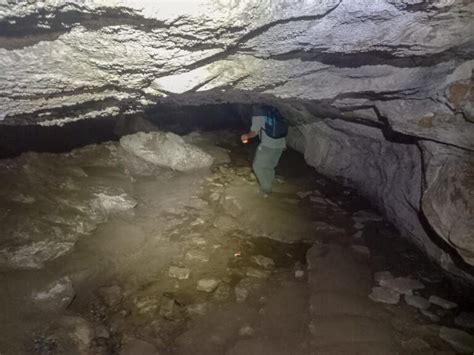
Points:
[[379, 57], [25, 31]]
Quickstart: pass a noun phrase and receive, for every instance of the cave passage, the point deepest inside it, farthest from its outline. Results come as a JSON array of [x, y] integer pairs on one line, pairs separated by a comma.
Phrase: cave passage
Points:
[[154, 239]]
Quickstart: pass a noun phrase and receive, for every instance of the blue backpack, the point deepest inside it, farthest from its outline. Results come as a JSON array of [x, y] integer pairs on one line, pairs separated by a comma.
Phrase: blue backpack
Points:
[[275, 125]]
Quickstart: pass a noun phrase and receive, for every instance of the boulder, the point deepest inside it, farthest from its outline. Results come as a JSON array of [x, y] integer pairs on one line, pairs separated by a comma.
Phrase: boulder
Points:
[[58, 295], [166, 149]]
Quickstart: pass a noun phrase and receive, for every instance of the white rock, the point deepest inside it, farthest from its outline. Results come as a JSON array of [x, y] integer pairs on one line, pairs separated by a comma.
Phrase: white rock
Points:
[[180, 273], [246, 331], [166, 149], [442, 302], [299, 274], [384, 295], [207, 285], [56, 296], [113, 203], [79, 330], [197, 255], [259, 274]]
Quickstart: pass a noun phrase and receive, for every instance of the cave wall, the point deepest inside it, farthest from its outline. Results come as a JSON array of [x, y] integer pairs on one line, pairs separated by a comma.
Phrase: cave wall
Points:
[[379, 92]]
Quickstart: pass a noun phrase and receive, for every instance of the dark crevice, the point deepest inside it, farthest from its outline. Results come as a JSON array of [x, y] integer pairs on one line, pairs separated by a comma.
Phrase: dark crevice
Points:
[[446, 247], [378, 57], [19, 32]]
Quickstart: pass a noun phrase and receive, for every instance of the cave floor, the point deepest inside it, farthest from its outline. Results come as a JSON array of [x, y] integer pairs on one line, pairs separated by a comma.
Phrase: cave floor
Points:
[[203, 264]]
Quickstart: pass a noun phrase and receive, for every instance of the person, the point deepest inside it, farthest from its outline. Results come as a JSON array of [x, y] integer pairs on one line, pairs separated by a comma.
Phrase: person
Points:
[[272, 135]]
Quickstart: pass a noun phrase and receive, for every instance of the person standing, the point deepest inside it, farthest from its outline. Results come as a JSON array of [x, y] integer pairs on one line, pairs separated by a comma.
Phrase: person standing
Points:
[[272, 128]]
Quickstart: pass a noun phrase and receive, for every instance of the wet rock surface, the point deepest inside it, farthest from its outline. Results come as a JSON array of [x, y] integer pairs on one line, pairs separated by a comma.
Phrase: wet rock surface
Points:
[[166, 279]]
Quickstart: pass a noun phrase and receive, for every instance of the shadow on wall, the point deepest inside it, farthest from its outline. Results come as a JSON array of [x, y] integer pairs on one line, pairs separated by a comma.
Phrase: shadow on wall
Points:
[[15, 140]]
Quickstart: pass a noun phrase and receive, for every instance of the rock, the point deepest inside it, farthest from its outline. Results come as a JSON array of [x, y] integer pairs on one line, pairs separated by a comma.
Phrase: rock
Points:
[[361, 249], [299, 274], [459, 339], [246, 331], [33, 255], [263, 261], [166, 149], [465, 320], [232, 206], [384, 295], [303, 194], [137, 346], [207, 285], [442, 302], [326, 227], [382, 276], [222, 292], [417, 302], [215, 196], [402, 285], [245, 287], [259, 274], [180, 273], [197, 255], [322, 144], [113, 203], [79, 331], [146, 305], [167, 308], [198, 309], [318, 199], [57, 295], [430, 315], [102, 332], [241, 293], [447, 201], [197, 222], [111, 295]]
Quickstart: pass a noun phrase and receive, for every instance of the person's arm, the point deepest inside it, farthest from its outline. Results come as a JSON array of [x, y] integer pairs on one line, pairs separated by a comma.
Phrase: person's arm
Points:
[[245, 137], [257, 124]]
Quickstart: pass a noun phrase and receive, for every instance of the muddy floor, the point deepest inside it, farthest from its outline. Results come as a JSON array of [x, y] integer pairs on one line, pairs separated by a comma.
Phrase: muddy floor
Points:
[[101, 254]]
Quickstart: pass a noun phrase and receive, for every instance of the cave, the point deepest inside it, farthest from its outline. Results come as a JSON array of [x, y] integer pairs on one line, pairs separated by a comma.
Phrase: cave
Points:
[[134, 212]]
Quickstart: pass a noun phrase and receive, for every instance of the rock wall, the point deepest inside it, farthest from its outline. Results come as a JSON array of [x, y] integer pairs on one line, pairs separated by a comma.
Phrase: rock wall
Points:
[[380, 90]]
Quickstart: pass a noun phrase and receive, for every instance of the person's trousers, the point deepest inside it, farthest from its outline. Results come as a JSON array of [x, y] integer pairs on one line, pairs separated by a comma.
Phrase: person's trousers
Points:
[[264, 164]]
